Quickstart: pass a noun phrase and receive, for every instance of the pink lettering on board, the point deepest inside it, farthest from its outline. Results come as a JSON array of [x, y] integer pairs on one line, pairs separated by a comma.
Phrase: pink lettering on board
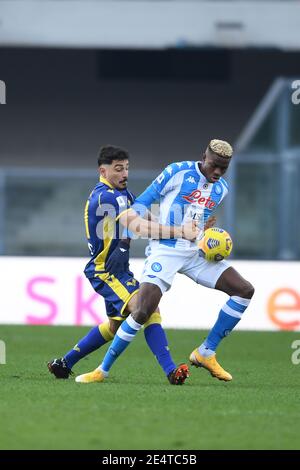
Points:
[[85, 305], [48, 319]]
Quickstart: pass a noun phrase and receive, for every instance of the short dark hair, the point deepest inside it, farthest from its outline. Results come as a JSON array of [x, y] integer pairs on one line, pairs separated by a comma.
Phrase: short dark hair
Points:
[[108, 153]]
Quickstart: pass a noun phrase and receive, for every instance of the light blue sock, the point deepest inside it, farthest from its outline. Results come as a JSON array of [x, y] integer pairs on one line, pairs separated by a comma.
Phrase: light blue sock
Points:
[[228, 318], [122, 339]]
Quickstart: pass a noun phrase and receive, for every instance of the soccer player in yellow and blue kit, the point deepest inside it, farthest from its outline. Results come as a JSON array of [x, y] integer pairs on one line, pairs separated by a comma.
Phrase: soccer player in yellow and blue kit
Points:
[[108, 269]]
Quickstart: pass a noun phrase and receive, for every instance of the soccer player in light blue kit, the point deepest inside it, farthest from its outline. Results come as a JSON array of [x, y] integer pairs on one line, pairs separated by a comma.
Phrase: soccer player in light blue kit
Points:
[[108, 269], [185, 190]]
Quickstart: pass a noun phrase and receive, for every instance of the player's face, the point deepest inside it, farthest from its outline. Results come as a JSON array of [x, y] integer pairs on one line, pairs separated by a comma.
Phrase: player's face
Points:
[[116, 173], [213, 166]]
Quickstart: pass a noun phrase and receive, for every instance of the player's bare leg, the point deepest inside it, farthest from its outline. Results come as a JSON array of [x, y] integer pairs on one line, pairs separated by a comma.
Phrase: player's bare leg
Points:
[[240, 292], [232, 283]]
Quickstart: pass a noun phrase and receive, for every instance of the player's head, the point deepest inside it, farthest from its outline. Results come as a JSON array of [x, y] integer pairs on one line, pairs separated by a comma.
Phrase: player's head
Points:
[[113, 165], [216, 159]]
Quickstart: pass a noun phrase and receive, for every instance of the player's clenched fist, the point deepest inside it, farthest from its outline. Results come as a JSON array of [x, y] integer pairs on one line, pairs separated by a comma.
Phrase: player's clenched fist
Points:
[[190, 230]]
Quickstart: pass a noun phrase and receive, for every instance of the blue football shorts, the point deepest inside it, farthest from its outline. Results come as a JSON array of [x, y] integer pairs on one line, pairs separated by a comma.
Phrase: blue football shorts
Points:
[[116, 291]]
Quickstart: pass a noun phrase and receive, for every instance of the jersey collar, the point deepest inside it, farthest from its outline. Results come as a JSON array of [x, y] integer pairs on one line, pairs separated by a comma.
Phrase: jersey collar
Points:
[[198, 169], [104, 181], [202, 176]]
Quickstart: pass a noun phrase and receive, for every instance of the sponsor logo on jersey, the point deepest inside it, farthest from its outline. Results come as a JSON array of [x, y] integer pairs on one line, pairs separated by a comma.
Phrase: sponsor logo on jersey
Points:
[[196, 196]]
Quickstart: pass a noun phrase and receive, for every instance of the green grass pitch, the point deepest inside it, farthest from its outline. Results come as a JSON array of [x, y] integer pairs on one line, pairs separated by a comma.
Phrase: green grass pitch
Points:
[[137, 408]]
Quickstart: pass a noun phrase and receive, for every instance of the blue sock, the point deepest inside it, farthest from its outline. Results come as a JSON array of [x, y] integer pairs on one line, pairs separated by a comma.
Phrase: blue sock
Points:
[[158, 343], [92, 341], [125, 334], [228, 318]]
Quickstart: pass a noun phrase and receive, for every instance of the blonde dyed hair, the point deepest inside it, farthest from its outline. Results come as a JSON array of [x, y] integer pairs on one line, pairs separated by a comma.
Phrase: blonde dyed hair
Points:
[[221, 148]]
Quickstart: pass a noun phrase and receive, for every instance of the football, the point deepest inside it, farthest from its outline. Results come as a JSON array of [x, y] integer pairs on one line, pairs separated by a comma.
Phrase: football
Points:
[[215, 244]]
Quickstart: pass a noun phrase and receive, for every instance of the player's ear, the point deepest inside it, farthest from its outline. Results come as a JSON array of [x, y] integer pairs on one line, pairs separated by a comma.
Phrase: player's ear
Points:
[[102, 171]]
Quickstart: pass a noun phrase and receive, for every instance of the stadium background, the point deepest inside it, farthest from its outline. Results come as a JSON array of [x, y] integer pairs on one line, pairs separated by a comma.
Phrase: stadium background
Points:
[[160, 79]]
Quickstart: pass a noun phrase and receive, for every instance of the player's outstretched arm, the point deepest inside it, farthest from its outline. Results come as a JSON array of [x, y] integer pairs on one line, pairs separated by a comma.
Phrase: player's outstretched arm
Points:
[[150, 229]]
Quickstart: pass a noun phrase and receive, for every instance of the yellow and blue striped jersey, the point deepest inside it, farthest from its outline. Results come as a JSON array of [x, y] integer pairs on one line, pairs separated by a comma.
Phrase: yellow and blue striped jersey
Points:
[[103, 229]]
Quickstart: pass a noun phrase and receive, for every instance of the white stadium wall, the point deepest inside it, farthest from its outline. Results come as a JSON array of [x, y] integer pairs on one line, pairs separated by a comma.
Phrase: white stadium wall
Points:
[[148, 24], [54, 291]]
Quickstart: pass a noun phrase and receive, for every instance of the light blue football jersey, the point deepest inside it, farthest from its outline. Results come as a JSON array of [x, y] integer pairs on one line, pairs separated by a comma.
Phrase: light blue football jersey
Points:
[[183, 193]]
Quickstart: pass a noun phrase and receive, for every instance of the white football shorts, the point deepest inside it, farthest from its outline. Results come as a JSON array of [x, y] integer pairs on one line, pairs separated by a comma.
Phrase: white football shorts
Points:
[[163, 262]]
